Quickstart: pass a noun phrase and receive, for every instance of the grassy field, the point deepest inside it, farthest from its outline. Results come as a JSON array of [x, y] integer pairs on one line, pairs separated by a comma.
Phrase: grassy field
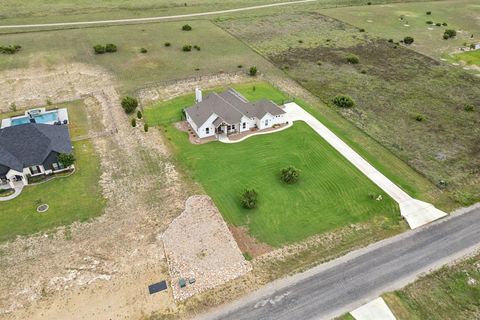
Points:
[[219, 52], [444, 294], [390, 82], [313, 204], [38, 11], [74, 198], [470, 57], [395, 21]]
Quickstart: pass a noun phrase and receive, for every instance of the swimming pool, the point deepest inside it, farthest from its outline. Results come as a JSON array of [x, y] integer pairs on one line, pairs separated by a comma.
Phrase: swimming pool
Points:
[[47, 117]]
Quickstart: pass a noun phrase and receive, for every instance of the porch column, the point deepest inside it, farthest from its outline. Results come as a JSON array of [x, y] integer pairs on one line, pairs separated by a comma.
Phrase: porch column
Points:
[[10, 182]]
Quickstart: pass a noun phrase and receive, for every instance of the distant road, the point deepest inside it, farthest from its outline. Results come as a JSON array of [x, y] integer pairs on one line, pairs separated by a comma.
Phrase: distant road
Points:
[[152, 19], [346, 283]]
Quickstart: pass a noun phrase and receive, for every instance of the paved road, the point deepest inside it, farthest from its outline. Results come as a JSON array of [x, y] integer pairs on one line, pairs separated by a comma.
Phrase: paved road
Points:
[[153, 19], [357, 278]]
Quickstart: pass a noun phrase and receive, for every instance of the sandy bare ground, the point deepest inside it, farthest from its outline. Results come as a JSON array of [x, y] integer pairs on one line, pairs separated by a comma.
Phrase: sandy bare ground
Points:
[[199, 246], [104, 270]]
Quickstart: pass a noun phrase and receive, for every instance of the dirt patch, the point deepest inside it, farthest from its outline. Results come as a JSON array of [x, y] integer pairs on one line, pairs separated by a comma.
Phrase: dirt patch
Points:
[[247, 243], [199, 245]]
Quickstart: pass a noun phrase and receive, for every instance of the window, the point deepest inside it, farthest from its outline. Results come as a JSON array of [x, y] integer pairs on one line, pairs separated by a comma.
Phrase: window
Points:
[[207, 130], [229, 127], [266, 122], [233, 127], [244, 125]]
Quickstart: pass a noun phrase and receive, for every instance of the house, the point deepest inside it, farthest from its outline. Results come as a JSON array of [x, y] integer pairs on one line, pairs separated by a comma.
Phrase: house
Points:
[[30, 150], [229, 112]]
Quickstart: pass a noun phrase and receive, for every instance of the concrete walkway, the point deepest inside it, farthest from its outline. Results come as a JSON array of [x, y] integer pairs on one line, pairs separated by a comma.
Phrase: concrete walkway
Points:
[[18, 190], [416, 212], [374, 310], [225, 139]]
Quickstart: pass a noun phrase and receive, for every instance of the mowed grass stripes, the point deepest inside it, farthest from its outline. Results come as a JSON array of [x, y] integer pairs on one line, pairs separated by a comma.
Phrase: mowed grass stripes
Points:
[[330, 193]]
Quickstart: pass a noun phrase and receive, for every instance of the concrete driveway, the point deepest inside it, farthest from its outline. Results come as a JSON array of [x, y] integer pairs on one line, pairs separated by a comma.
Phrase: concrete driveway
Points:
[[415, 212]]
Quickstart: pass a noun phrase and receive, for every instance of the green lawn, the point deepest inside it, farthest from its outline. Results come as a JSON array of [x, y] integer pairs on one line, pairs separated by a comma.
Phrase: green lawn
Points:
[[74, 198], [470, 57], [331, 192], [219, 51], [443, 295], [171, 111]]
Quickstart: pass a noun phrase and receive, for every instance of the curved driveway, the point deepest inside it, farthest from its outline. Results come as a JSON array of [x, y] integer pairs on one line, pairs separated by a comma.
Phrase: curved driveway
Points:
[[153, 19]]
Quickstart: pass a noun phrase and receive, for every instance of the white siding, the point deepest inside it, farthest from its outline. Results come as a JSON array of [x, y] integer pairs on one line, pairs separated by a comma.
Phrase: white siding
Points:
[[202, 131]]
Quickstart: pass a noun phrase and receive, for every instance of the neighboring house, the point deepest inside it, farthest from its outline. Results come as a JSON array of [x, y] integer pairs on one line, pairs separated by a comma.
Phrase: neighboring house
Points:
[[32, 150], [229, 112]]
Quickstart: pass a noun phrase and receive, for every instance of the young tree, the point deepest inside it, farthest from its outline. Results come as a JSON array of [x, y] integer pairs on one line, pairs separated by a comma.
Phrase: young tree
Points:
[[253, 71], [290, 175], [129, 104], [145, 127], [134, 122], [249, 198], [353, 59], [66, 159], [449, 33], [343, 101]]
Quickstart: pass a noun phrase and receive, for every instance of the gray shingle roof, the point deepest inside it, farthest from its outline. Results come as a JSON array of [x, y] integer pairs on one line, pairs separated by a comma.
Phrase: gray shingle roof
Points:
[[230, 106], [30, 144]]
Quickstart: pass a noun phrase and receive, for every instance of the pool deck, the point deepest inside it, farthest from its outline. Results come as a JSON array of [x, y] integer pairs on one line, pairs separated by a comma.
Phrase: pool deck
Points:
[[62, 115]]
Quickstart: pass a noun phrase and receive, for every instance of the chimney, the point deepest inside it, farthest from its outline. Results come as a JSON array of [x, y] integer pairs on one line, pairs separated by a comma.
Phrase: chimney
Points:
[[198, 95]]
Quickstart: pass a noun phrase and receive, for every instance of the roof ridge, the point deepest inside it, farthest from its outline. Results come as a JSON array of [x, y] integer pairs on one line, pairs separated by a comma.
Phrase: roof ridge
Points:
[[231, 105]]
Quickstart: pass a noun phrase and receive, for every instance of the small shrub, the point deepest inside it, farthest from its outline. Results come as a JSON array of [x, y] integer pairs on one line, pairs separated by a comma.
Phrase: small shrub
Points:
[[450, 33], [11, 49], [134, 122], [143, 50], [187, 48], [429, 22], [343, 101], [290, 175], [445, 36], [239, 66], [129, 104], [13, 107], [361, 30], [196, 47], [468, 107], [363, 71], [186, 27], [247, 256], [99, 49], [429, 13], [419, 117], [300, 41], [438, 24], [249, 198], [390, 40], [110, 47], [408, 40], [66, 159], [444, 24], [167, 44], [253, 71], [139, 114], [145, 127], [254, 88], [369, 3], [353, 59]]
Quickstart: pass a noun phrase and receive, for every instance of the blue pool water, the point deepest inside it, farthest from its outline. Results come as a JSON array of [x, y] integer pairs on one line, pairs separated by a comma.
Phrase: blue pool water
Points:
[[47, 117]]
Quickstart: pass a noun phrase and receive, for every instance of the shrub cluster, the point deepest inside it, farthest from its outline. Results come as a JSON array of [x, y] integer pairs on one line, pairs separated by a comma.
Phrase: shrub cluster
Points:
[[343, 101], [100, 49], [253, 71], [449, 33], [196, 47], [290, 174], [249, 198], [468, 107], [187, 48], [11, 49], [408, 40], [66, 159], [353, 59], [129, 104]]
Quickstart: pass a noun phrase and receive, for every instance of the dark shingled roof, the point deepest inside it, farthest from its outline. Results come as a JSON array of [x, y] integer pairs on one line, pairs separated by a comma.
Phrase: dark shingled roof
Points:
[[230, 106], [30, 144]]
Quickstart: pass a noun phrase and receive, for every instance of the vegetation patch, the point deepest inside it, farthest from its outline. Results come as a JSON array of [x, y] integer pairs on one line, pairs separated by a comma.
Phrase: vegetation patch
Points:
[[11, 49]]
